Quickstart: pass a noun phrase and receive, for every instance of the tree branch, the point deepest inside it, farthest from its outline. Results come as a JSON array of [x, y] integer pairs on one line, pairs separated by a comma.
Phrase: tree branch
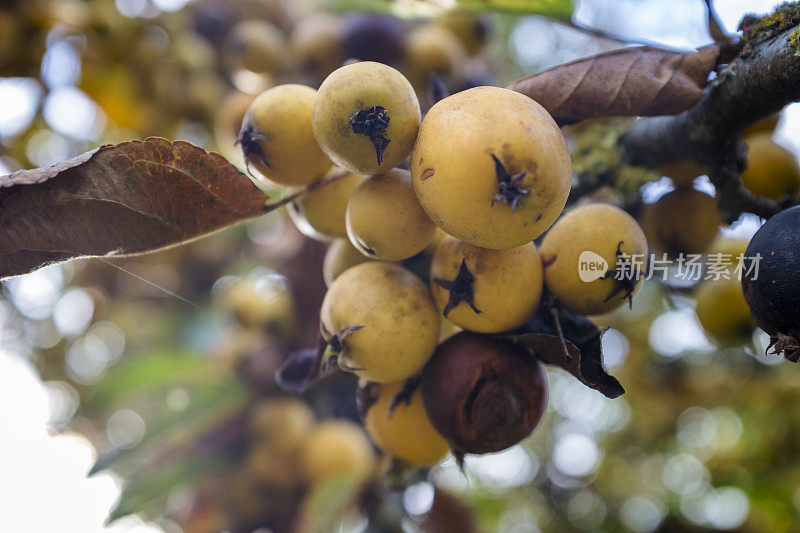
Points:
[[763, 79]]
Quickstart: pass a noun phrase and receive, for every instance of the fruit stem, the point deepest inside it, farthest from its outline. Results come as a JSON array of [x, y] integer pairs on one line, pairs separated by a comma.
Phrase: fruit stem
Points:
[[373, 123]]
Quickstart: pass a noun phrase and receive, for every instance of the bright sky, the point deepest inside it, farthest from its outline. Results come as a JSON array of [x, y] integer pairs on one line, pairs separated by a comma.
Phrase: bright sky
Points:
[[43, 484]]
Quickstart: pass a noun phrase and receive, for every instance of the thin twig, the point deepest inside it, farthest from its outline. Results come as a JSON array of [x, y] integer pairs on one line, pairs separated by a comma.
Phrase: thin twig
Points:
[[759, 82], [603, 34], [715, 28], [302, 192], [557, 320]]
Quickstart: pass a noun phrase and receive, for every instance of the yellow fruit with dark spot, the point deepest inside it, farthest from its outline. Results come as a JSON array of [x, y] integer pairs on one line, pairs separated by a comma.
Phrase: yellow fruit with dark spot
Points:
[[277, 138], [484, 290], [491, 167], [723, 311], [340, 256], [580, 251], [683, 221], [385, 220], [772, 170], [398, 321], [433, 49], [366, 117], [405, 433], [320, 214], [254, 45], [316, 43], [337, 449]]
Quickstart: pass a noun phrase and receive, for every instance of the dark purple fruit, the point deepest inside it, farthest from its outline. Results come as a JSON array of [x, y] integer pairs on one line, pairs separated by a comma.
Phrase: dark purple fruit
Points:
[[771, 281], [374, 38], [483, 394]]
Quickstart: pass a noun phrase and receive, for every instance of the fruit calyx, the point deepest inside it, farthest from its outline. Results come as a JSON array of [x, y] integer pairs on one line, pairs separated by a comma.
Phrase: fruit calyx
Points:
[[786, 343], [248, 140], [405, 394], [510, 192], [373, 123], [625, 280], [336, 348], [492, 406], [460, 289]]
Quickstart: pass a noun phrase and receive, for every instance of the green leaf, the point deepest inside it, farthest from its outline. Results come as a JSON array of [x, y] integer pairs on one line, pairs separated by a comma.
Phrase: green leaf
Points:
[[329, 502], [172, 433], [147, 374], [556, 9], [149, 489]]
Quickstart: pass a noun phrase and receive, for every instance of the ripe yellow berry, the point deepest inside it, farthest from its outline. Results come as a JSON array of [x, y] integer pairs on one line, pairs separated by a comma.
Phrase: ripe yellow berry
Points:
[[320, 214], [491, 167], [340, 256], [727, 250], [581, 253], [405, 432], [366, 117], [316, 43], [381, 319], [385, 220], [772, 170], [483, 290], [280, 424], [228, 123], [277, 138], [337, 449], [473, 31], [261, 300], [254, 45], [723, 311], [683, 173], [683, 221], [433, 49]]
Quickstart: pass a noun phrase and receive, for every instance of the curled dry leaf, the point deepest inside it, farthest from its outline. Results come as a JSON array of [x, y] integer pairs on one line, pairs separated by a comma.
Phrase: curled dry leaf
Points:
[[583, 357], [122, 199], [302, 368], [635, 81]]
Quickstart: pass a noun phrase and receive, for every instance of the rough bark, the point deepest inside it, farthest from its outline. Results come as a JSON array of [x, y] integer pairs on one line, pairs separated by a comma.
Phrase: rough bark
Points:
[[761, 80]]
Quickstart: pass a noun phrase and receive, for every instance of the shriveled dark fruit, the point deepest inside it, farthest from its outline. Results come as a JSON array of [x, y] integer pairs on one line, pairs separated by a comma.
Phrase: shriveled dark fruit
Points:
[[483, 394], [374, 38], [771, 281]]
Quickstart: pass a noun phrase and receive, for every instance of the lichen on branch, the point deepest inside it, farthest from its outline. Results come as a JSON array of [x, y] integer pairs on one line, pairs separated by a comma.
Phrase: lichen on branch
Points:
[[761, 80]]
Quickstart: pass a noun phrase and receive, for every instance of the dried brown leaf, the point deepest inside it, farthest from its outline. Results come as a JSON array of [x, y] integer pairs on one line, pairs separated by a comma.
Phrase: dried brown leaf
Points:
[[124, 199], [635, 81], [562, 338]]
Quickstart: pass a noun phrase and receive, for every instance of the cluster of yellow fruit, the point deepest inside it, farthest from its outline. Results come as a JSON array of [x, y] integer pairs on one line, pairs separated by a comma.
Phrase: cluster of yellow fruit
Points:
[[489, 172], [289, 453], [306, 47], [687, 221], [316, 43]]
